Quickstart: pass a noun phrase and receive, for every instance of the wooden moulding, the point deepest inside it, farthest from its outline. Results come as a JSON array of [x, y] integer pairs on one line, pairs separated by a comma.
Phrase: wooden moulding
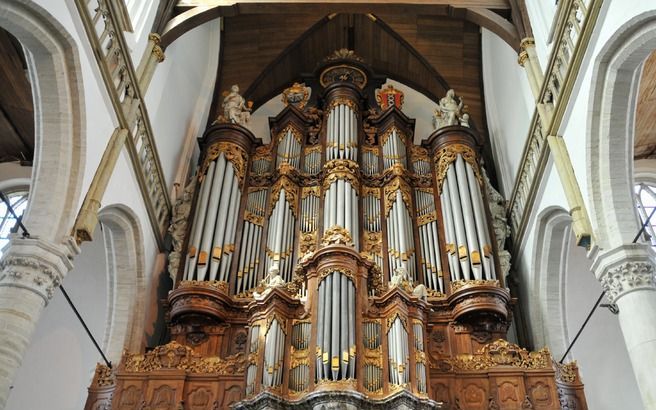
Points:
[[471, 301]]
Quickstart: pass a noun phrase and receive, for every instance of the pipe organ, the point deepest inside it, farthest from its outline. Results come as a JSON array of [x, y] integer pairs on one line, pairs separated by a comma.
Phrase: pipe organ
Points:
[[340, 262]]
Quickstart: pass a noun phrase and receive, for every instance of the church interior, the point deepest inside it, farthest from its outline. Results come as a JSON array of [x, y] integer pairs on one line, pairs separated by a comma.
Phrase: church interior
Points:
[[415, 204]]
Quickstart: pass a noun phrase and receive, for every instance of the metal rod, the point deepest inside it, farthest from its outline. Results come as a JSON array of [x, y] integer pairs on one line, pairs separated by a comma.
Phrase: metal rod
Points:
[[68, 299], [582, 326], [596, 305]]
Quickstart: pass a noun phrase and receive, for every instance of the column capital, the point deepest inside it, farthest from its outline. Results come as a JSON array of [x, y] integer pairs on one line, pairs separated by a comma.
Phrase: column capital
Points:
[[626, 269], [37, 265]]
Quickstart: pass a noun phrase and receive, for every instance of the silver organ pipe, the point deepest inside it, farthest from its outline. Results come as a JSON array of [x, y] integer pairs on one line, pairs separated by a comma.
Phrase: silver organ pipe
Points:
[[212, 241], [274, 349], [289, 148], [399, 233], [373, 368], [247, 269], [427, 225], [312, 164], [253, 347], [280, 240], [394, 151], [467, 236], [336, 327], [370, 161], [420, 365], [282, 204], [399, 354], [299, 372], [342, 135]]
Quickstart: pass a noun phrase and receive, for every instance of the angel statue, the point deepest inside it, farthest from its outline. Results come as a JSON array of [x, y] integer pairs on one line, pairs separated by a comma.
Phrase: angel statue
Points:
[[450, 112]]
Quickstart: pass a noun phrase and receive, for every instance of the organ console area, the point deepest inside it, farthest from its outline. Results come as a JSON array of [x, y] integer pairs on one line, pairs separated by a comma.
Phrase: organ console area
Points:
[[341, 265]]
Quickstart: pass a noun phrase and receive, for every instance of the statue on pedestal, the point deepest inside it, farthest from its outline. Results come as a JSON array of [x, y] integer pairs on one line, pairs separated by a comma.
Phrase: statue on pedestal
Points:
[[450, 112], [272, 280], [235, 108]]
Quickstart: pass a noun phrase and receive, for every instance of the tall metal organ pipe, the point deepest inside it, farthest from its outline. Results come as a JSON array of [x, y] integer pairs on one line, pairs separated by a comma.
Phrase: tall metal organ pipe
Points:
[[212, 240], [336, 327], [466, 229]]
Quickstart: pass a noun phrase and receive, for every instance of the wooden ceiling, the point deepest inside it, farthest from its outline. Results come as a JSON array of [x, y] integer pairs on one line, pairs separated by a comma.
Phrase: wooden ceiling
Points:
[[265, 53], [645, 125], [16, 106]]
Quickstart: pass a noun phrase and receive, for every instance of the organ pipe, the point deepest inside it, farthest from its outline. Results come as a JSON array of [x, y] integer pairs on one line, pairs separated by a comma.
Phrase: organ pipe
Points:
[[336, 327], [467, 235]]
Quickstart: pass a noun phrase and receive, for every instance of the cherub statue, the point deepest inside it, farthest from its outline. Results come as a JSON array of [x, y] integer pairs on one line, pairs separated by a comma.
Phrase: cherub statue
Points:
[[235, 108], [400, 277], [272, 280], [450, 112], [420, 292]]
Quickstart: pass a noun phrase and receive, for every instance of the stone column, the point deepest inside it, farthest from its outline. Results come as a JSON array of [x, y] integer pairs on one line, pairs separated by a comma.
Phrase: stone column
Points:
[[30, 271], [626, 274]]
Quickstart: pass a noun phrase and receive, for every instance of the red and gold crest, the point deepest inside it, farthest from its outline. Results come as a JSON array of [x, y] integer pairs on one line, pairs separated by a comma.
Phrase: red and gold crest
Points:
[[389, 96]]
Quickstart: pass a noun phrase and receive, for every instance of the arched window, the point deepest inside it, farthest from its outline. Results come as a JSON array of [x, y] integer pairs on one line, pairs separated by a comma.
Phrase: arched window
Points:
[[645, 198], [18, 200]]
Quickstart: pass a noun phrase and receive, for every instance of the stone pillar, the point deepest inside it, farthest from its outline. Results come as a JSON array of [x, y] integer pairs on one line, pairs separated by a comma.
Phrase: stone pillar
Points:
[[626, 274], [30, 272]]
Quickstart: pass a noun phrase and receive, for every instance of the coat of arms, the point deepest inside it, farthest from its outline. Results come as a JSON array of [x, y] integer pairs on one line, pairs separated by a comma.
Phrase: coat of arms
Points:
[[389, 96]]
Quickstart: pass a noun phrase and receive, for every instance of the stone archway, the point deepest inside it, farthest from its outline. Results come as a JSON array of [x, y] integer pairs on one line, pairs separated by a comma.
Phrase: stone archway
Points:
[[547, 298], [610, 136], [625, 270], [125, 273], [32, 268]]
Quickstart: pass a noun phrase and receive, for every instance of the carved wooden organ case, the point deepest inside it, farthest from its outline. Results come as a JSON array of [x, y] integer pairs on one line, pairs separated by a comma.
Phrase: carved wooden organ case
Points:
[[339, 263]]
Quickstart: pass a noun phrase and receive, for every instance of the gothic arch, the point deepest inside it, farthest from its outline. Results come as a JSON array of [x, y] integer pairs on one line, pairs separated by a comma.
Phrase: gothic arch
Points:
[[126, 280], [547, 287], [616, 74], [55, 76]]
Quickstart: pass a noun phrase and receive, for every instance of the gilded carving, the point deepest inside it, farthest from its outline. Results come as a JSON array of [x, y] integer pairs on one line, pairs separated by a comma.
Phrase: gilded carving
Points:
[[336, 235], [566, 372], [390, 194], [501, 353], [343, 73], [291, 194], [327, 271], [459, 284], [219, 285], [176, 356], [389, 132], [392, 318], [448, 155], [103, 376], [233, 153], [298, 95]]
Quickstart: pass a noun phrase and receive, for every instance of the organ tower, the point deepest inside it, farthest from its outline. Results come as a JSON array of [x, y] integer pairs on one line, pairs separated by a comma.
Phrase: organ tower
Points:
[[341, 264]]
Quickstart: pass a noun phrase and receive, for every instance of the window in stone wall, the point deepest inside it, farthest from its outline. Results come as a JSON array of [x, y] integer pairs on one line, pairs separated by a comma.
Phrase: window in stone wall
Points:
[[18, 201], [645, 197]]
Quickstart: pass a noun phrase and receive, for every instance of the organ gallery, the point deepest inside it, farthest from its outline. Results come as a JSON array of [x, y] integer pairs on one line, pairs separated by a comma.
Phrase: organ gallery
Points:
[[342, 265]]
